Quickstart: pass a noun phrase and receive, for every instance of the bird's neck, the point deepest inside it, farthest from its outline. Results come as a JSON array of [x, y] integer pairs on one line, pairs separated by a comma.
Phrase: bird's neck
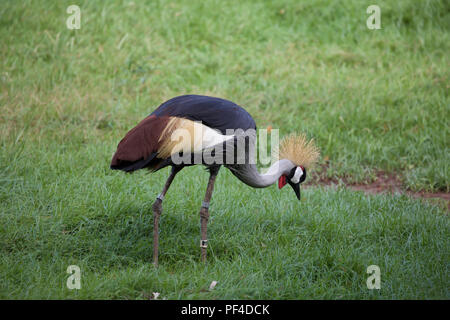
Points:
[[248, 173]]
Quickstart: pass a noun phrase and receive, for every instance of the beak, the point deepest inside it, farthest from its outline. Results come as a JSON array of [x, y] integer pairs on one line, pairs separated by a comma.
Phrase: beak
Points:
[[296, 188]]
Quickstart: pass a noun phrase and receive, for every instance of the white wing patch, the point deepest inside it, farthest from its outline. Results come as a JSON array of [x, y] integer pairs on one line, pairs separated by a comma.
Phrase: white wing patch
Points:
[[297, 175], [210, 137], [183, 135]]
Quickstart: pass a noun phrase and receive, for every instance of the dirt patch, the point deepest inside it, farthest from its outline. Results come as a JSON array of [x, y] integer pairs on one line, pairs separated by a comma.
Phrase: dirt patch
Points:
[[383, 183]]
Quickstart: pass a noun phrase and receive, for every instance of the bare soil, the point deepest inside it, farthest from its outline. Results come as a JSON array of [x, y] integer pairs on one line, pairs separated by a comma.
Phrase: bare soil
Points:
[[383, 183]]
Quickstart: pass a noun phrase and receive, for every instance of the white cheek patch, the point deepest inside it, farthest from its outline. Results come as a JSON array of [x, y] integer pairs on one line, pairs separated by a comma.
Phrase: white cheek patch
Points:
[[297, 175]]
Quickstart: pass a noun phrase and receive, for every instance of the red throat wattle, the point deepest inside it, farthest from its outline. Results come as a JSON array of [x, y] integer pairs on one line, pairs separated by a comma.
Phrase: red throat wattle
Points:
[[282, 182]]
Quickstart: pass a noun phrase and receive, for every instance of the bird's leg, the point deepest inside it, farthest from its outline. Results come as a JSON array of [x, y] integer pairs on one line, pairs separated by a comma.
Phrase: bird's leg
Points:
[[157, 210], [204, 212]]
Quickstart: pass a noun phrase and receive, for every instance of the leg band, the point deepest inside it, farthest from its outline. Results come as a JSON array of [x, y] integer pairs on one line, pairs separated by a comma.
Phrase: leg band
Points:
[[205, 205]]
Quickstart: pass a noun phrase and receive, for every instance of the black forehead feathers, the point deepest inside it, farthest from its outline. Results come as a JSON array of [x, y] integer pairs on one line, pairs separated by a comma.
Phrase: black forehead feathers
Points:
[[292, 172]]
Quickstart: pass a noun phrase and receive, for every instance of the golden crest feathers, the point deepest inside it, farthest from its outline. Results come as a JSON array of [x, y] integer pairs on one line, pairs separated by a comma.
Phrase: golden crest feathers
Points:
[[299, 150]]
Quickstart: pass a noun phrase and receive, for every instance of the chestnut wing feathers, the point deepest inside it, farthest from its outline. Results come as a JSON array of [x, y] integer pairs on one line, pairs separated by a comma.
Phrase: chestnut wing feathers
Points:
[[139, 146]]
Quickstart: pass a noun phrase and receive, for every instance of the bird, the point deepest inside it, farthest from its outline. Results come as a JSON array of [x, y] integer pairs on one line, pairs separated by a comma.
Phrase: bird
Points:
[[196, 129]]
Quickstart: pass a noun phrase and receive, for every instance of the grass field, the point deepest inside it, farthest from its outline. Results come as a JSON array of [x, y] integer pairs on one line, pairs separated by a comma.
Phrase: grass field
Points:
[[372, 99]]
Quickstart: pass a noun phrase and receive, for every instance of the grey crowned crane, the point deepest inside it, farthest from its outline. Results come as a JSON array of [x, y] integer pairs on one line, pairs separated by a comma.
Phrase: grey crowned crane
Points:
[[193, 129]]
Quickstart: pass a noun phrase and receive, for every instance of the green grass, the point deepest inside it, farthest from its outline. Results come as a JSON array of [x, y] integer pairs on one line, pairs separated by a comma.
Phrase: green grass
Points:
[[373, 100]]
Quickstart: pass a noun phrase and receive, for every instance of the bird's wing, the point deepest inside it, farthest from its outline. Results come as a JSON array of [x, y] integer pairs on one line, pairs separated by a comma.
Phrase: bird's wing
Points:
[[155, 138], [158, 138]]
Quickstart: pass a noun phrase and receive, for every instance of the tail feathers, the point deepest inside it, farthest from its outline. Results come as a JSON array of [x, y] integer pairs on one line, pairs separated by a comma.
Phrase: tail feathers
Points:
[[140, 145], [130, 166]]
